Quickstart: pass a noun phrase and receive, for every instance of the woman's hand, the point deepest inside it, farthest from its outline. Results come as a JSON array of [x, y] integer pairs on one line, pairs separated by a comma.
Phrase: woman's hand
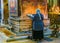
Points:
[[28, 14]]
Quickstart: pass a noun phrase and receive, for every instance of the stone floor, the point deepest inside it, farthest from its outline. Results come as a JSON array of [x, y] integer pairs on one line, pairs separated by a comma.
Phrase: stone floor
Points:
[[47, 40], [22, 41], [55, 40]]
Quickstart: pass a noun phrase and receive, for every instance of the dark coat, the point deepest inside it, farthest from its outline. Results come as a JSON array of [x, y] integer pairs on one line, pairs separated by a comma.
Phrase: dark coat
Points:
[[38, 23]]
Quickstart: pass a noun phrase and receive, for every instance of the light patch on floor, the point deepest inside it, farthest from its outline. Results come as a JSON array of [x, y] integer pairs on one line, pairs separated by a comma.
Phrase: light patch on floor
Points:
[[23, 41]]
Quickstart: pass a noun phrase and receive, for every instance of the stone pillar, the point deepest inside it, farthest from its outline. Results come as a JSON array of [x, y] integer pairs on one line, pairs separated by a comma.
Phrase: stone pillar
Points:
[[55, 2], [2, 16]]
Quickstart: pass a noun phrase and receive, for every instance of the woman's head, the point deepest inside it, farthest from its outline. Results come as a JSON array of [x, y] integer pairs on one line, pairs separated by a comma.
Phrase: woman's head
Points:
[[37, 11]]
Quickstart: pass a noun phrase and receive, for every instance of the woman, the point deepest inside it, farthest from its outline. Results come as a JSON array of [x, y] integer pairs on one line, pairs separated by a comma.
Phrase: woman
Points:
[[38, 25]]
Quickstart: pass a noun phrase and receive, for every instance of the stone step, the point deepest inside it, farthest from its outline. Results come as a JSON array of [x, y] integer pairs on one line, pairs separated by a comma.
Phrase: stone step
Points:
[[17, 38]]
